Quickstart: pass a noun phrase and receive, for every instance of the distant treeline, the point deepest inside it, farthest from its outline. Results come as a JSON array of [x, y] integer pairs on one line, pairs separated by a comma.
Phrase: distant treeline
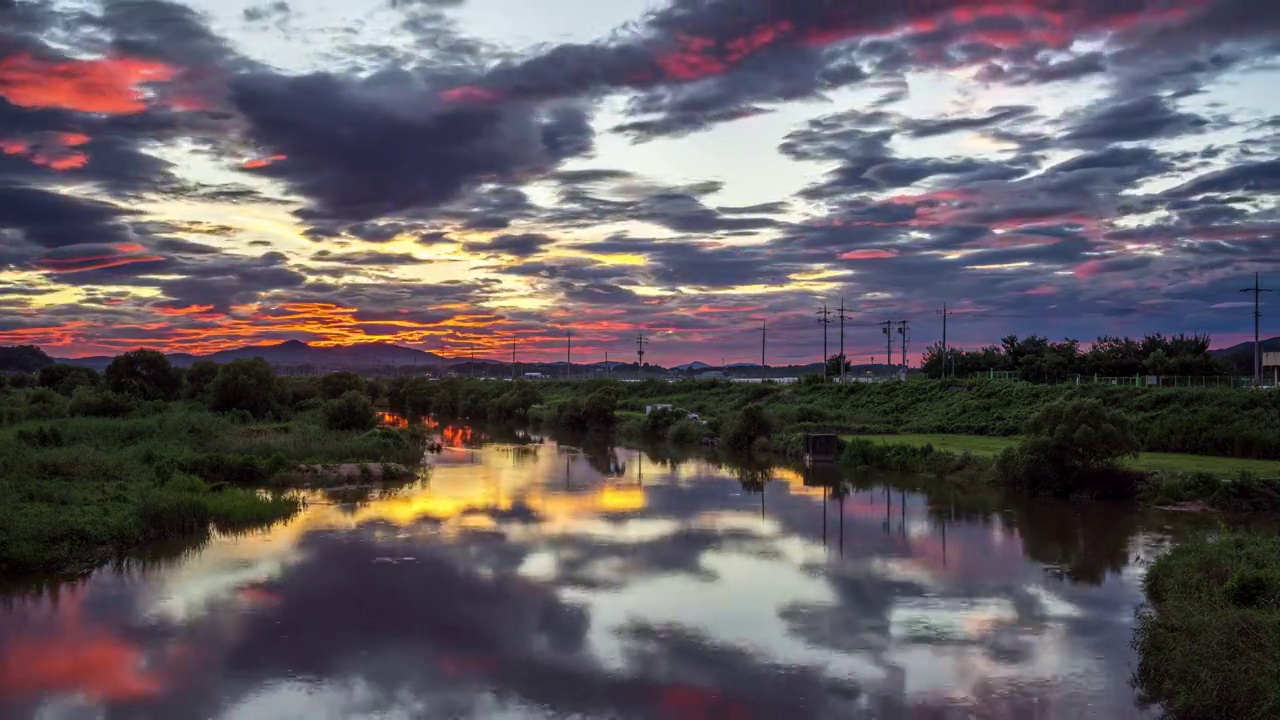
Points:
[[1038, 359]]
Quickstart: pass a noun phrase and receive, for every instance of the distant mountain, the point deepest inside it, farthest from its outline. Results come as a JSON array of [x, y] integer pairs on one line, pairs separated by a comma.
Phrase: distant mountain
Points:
[[296, 352], [1268, 345], [695, 365]]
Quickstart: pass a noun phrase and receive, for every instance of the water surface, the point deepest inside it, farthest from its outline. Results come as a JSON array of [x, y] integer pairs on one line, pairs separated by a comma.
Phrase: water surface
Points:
[[538, 580]]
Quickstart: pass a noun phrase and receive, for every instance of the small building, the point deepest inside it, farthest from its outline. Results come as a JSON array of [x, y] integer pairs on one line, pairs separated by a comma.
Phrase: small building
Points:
[[1271, 361], [650, 408], [534, 376]]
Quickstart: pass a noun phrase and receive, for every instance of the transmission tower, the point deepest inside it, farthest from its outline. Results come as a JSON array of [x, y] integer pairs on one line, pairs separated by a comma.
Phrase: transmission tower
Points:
[[640, 342]]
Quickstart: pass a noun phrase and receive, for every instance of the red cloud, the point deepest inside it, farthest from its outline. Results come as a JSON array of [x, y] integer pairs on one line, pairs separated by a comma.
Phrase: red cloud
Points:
[[50, 149], [107, 85], [470, 94]]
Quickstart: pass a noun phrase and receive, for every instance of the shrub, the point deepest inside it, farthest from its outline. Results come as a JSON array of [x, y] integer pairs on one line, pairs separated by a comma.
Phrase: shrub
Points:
[[746, 428], [249, 385], [65, 379], [687, 432], [658, 423], [352, 411], [1208, 642], [200, 378], [336, 384], [145, 374], [1071, 447], [95, 402]]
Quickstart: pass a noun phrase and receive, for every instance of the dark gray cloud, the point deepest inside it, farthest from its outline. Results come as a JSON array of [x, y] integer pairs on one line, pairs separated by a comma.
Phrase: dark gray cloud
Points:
[[519, 246], [1144, 118]]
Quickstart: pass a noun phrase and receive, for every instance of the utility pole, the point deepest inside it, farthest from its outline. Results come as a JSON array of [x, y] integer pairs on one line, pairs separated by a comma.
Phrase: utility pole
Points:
[[513, 358], [843, 317], [902, 330], [825, 319], [568, 358], [886, 327], [1257, 291], [764, 333], [640, 341], [944, 312]]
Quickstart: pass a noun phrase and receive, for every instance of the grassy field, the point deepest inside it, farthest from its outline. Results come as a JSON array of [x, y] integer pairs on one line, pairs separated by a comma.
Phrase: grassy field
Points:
[[1152, 462]]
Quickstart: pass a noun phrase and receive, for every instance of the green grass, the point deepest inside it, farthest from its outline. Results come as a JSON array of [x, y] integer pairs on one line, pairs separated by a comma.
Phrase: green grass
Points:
[[1209, 642], [1147, 461], [80, 491]]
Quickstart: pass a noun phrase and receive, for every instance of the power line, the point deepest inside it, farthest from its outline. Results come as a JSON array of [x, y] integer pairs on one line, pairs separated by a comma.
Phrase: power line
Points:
[[1257, 291]]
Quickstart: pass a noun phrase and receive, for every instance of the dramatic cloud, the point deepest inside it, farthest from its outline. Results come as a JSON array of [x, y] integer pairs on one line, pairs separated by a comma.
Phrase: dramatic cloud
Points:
[[411, 176]]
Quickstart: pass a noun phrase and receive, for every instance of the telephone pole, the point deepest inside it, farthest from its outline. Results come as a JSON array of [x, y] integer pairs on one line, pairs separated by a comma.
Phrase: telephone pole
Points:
[[640, 341], [568, 356], [902, 330], [1257, 291], [842, 317], [944, 312], [825, 319], [764, 333], [513, 358], [886, 327]]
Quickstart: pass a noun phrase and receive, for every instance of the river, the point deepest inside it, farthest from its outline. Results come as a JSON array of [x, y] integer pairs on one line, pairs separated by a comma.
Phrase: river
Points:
[[539, 580]]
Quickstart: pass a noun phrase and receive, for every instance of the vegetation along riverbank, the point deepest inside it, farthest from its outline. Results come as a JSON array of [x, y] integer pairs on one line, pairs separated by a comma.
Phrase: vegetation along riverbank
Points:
[[92, 467]]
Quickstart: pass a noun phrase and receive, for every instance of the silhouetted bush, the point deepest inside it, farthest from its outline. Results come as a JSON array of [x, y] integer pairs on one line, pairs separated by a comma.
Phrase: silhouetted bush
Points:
[[144, 374], [747, 428], [248, 385], [336, 384], [64, 379], [100, 402], [1072, 447], [352, 411]]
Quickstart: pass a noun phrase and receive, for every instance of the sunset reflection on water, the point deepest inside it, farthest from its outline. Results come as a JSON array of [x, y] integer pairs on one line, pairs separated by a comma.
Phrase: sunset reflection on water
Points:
[[539, 579]]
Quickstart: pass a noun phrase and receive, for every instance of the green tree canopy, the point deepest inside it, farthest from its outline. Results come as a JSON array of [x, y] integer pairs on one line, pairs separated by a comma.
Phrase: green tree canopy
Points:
[[249, 385]]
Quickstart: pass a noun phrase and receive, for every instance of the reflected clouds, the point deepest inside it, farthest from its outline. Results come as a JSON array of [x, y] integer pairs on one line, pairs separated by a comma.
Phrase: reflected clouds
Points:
[[547, 580]]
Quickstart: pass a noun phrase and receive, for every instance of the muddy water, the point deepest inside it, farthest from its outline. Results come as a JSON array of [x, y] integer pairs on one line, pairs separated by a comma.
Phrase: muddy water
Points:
[[545, 581]]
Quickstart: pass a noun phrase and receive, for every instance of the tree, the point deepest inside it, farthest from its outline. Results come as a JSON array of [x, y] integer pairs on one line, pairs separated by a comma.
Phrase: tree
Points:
[[749, 425], [1069, 447], [249, 385], [64, 379], [834, 362], [336, 384], [200, 378], [352, 411], [23, 359], [144, 374]]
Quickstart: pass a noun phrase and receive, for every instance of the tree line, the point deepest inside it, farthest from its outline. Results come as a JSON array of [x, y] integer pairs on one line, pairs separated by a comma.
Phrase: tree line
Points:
[[1039, 359]]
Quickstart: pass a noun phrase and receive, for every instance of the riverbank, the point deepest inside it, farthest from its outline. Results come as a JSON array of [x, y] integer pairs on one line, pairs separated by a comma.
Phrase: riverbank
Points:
[[80, 491], [1218, 422], [1208, 641], [1144, 462]]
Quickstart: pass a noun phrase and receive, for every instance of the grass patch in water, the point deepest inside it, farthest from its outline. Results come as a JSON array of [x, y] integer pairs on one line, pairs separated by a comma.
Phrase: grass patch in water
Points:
[[1208, 641]]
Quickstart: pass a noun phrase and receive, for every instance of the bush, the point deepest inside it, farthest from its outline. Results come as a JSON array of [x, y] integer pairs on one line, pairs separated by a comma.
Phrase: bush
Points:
[[65, 379], [336, 384], [1208, 642], [248, 385], [750, 425], [144, 374], [352, 411], [94, 402], [687, 432], [1072, 447], [200, 378]]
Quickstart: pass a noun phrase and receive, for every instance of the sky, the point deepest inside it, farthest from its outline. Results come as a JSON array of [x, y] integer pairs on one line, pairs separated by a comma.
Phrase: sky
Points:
[[449, 174]]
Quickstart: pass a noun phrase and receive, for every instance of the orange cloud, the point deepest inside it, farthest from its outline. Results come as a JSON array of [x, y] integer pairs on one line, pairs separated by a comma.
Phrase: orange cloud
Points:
[[107, 85], [470, 94], [49, 150], [869, 254], [91, 262], [256, 163]]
